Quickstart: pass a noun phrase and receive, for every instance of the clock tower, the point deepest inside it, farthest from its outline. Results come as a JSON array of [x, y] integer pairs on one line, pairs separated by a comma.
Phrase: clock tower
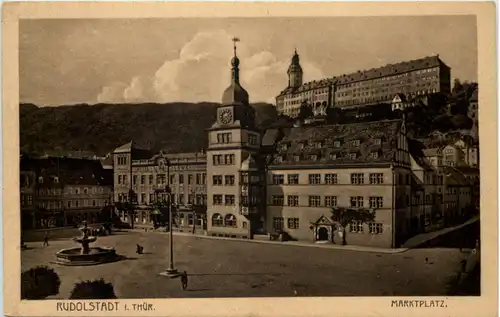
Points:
[[233, 140]]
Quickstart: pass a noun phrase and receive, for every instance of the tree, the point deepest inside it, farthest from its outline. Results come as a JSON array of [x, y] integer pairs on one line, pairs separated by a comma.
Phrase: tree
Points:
[[39, 282], [305, 111], [344, 216], [461, 121], [334, 115], [96, 289]]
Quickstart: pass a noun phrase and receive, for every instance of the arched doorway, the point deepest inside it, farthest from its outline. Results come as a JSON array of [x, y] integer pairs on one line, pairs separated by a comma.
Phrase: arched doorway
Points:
[[322, 234]]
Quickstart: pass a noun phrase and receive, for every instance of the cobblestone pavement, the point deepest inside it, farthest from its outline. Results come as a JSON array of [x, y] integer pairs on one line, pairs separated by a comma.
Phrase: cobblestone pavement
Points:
[[221, 268]]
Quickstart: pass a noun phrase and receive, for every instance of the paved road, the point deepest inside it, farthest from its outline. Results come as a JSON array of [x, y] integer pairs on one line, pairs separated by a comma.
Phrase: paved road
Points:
[[220, 268]]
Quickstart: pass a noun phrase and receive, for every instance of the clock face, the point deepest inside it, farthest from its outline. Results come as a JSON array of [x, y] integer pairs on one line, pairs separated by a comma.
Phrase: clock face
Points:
[[226, 116]]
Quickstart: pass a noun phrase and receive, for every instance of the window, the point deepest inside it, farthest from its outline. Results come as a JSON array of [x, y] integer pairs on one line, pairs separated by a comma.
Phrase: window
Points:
[[314, 179], [355, 143], [356, 226], [134, 180], [172, 179], [224, 138], [252, 139], [314, 201], [333, 156], [151, 179], [56, 179], [374, 155], [229, 200], [217, 199], [352, 156], [330, 179], [293, 179], [229, 159], [376, 202], [357, 201], [293, 201], [377, 141], [278, 179], [229, 180], [217, 220], [198, 179], [203, 178], [278, 200], [217, 180], [181, 179], [30, 200], [278, 223], [143, 179], [330, 201], [293, 223], [190, 179], [230, 221], [85, 191], [69, 203], [375, 228], [376, 178], [160, 179], [151, 198], [357, 178]]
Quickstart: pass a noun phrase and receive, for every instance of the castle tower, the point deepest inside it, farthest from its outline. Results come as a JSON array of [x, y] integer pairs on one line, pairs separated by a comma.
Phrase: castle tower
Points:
[[295, 72], [232, 139]]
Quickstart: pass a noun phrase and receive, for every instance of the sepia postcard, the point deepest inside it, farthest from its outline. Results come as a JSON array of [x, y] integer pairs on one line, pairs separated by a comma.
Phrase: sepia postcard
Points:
[[250, 159]]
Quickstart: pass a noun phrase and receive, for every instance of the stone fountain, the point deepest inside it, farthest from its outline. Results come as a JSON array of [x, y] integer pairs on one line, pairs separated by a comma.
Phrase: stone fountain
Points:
[[85, 255]]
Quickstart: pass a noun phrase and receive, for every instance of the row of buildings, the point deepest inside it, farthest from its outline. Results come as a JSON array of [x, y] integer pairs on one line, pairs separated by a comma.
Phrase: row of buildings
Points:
[[411, 79], [250, 183], [288, 179], [61, 191]]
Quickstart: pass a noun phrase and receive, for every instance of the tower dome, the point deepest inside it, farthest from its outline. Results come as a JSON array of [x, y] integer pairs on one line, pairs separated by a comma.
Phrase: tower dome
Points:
[[295, 72], [235, 94]]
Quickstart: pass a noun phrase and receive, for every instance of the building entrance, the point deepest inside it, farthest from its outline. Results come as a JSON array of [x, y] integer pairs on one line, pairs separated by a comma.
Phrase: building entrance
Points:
[[322, 234]]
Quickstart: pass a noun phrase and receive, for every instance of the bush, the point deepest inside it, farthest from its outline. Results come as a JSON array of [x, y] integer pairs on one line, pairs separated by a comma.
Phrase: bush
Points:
[[97, 289], [39, 282]]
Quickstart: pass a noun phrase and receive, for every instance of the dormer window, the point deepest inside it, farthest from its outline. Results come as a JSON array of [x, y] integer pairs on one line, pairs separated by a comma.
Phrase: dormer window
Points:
[[318, 145], [374, 155], [355, 143], [56, 180], [40, 179], [296, 158], [283, 147], [377, 141], [333, 156], [313, 158], [278, 159], [352, 156], [336, 144]]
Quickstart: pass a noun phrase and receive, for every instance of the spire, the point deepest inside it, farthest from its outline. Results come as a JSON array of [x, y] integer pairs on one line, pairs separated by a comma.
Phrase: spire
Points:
[[235, 62], [235, 94]]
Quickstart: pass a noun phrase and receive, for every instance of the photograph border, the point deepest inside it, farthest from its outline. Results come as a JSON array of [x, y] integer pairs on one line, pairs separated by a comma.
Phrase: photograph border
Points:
[[485, 305]]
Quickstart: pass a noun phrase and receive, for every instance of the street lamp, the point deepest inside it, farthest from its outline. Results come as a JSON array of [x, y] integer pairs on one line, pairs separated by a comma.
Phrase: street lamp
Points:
[[170, 271]]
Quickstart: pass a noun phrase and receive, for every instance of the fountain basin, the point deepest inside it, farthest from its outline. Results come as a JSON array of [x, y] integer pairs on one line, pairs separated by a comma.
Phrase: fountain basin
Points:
[[97, 255]]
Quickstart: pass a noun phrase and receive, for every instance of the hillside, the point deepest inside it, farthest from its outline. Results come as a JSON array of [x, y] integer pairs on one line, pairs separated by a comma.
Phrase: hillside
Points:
[[100, 128]]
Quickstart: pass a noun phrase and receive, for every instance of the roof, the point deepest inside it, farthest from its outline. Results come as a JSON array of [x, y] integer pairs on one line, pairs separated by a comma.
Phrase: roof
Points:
[[314, 145], [137, 152], [384, 71], [69, 171], [454, 176]]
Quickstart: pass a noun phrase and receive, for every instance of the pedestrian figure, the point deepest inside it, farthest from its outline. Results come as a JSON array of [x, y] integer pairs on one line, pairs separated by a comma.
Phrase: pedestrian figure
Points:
[[184, 281], [139, 250], [46, 240]]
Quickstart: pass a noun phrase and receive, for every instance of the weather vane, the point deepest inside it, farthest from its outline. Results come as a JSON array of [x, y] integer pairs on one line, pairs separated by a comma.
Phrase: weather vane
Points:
[[235, 39]]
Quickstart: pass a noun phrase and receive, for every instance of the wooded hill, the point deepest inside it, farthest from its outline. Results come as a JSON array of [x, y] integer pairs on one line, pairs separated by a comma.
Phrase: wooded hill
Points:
[[176, 127]]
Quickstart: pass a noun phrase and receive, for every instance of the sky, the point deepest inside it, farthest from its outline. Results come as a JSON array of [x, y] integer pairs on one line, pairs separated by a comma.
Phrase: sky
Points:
[[73, 61]]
